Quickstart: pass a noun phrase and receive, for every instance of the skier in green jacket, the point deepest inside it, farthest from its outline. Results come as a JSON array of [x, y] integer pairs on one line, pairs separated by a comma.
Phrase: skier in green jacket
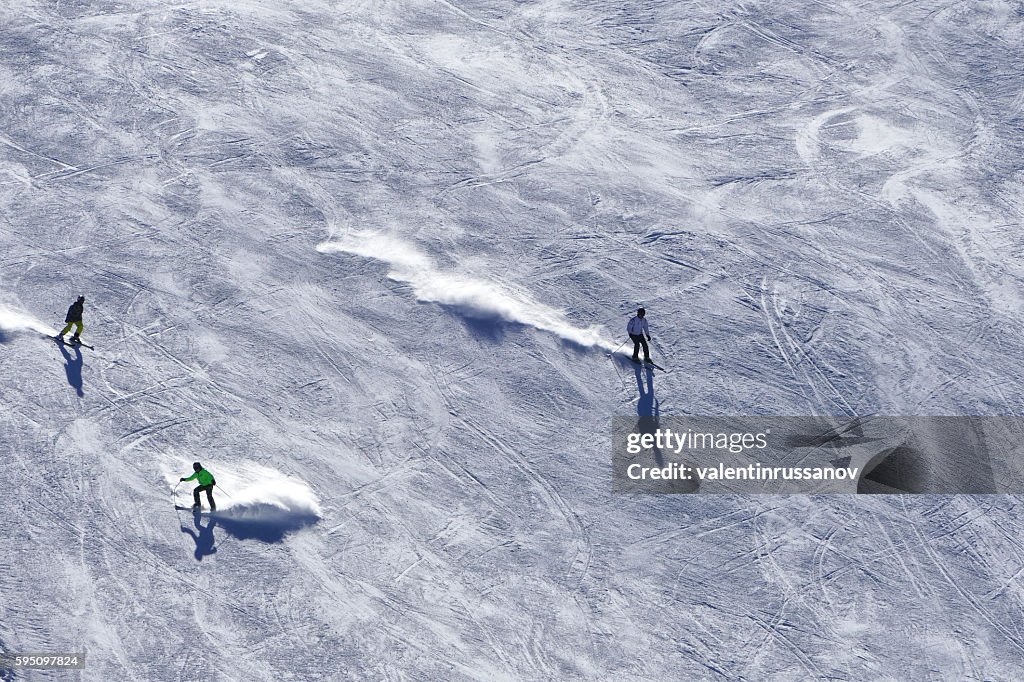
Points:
[[206, 483]]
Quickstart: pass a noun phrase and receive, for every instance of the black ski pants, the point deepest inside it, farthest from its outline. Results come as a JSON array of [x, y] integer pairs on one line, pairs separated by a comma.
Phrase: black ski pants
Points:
[[638, 341], [209, 495]]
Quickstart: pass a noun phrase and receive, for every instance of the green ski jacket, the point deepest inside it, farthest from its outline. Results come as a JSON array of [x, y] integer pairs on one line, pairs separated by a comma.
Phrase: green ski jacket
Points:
[[205, 477]]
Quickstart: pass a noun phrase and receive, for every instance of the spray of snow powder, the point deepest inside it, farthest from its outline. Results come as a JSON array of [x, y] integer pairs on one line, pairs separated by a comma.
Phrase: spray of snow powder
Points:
[[470, 296], [13, 322], [253, 501]]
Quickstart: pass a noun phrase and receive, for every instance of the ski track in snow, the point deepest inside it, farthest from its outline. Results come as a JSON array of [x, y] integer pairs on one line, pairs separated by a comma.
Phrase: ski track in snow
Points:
[[820, 206]]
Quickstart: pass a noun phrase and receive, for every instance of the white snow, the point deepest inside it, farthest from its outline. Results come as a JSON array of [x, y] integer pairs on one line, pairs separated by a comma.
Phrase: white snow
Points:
[[365, 261]]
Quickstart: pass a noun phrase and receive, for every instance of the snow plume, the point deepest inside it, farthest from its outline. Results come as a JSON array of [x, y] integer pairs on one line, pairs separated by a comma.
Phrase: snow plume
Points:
[[469, 296], [253, 501], [13, 322]]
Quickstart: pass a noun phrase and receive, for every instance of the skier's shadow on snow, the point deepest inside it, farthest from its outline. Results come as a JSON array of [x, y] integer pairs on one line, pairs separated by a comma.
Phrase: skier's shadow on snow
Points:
[[648, 412], [203, 535], [73, 368], [647, 408]]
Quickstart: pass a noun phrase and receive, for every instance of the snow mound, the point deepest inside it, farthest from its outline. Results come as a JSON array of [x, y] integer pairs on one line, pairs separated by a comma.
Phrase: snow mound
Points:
[[469, 296], [255, 502], [12, 322]]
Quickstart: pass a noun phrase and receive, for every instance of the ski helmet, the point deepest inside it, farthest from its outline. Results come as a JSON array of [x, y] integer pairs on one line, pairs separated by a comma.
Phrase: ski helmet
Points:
[[197, 466], [641, 312]]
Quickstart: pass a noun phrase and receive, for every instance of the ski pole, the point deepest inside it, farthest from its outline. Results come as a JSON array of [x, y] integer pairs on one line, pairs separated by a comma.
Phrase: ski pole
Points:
[[620, 346], [657, 349]]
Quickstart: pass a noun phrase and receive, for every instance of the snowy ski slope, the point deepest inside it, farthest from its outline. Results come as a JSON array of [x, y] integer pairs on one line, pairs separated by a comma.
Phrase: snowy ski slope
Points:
[[365, 260]]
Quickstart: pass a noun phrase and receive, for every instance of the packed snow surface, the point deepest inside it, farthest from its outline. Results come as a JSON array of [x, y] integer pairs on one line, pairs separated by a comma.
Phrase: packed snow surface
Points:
[[366, 262]]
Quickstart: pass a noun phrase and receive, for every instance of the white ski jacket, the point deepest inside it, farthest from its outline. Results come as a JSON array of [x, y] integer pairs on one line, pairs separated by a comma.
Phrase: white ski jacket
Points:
[[637, 326]]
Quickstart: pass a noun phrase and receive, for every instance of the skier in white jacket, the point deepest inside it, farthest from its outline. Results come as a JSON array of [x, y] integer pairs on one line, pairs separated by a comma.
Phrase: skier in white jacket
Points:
[[637, 330]]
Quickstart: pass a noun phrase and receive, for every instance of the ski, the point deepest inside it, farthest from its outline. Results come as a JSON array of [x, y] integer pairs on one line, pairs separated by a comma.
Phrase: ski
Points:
[[626, 356], [192, 509], [649, 363], [71, 344]]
